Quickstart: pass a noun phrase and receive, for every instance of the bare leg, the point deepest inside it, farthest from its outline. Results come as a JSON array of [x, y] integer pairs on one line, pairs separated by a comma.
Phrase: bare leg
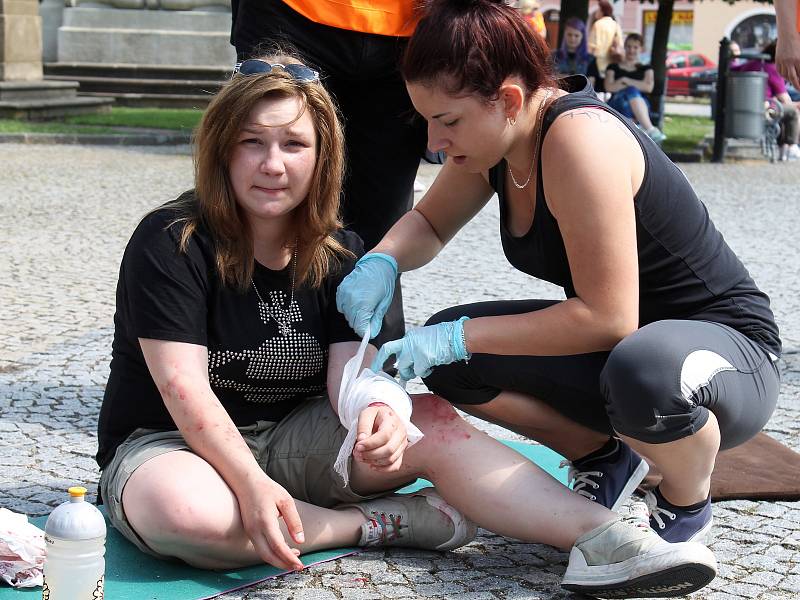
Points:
[[181, 507], [533, 418], [494, 486], [686, 463], [640, 113]]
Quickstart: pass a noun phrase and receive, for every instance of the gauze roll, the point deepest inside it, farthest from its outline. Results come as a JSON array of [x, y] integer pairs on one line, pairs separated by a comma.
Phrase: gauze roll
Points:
[[356, 392]]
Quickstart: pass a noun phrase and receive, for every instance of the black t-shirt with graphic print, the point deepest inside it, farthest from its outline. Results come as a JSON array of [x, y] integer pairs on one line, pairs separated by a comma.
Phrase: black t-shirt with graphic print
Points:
[[257, 373], [639, 71]]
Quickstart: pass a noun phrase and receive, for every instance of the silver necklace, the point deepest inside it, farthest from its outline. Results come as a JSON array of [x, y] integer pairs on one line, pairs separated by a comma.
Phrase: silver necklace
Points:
[[536, 146], [267, 310]]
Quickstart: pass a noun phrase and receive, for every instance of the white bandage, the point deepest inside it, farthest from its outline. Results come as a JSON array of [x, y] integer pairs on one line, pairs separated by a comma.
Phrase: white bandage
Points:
[[359, 391]]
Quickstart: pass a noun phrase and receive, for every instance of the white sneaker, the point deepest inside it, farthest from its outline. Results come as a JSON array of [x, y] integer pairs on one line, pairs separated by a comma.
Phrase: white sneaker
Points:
[[422, 519], [793, 152], [627, 559]]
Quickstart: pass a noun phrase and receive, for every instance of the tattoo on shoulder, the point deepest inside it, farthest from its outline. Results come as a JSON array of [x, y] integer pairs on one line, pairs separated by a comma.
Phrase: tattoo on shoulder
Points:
[[598, 115]]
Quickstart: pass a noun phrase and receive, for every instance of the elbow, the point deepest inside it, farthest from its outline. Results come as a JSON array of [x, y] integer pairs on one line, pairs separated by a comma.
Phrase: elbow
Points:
[[620, 329], [616, 328], [176, 389]]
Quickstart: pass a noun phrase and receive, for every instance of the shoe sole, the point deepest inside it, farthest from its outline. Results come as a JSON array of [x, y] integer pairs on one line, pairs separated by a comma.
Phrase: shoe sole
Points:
[[636, 478], [671, 582], [668, 570]]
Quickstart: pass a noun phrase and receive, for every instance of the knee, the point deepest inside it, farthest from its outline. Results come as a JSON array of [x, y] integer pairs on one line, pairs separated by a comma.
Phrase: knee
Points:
[[175, 523], [632, 92], [438, 420], [631, 370], [635, 386]]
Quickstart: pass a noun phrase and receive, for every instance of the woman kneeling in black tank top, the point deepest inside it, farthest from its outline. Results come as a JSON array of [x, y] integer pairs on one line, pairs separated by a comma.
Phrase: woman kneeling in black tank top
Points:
[[664, 346]]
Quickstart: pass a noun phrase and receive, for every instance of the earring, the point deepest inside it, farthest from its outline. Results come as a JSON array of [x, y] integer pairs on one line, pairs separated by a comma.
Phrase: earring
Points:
[[512, 121]]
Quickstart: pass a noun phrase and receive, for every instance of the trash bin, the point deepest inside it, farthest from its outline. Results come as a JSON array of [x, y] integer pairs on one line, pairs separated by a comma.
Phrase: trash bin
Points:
[[744, 110]]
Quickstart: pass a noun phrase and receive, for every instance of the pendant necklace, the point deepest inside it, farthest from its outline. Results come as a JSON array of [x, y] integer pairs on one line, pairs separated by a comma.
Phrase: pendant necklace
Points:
[[267, 311], [522, 186]]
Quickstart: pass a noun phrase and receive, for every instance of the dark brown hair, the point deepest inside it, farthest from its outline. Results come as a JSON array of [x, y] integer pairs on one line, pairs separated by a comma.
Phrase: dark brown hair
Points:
[[472, 46], [605, 8], [635, 37], [214, 203]]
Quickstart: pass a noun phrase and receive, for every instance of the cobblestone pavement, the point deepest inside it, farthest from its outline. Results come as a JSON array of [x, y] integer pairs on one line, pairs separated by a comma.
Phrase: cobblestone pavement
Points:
[[65, 216]]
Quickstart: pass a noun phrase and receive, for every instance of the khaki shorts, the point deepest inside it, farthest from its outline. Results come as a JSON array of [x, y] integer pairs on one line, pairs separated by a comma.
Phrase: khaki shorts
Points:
[[297, 452]]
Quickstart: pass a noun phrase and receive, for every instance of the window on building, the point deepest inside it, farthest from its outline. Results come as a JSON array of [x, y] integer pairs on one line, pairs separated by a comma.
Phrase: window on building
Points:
[[755, 32]]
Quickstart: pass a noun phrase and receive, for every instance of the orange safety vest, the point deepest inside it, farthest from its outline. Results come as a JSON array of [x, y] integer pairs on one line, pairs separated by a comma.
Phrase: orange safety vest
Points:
[[384, 17]]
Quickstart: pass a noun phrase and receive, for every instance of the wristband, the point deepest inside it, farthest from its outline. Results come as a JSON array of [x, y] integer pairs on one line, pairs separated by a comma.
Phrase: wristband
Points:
[[459, 340]]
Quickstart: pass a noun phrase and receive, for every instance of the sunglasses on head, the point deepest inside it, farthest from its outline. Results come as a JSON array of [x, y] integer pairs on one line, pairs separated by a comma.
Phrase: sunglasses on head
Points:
[[256, 66]]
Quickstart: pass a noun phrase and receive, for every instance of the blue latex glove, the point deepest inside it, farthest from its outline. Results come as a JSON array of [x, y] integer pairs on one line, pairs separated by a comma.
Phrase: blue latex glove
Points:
[[423, 348], [364, 295]]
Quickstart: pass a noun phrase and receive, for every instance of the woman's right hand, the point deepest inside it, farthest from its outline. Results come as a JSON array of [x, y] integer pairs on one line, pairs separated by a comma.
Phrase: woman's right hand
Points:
[[261, 505], [365, 294]]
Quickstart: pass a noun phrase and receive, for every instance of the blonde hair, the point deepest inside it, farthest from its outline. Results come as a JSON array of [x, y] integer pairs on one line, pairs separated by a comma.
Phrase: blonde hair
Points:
[[214, 204]]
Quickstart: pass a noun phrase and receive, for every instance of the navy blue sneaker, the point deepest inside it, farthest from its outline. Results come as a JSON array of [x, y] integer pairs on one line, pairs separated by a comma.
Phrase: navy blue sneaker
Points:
[[610, 478], [678, 524]]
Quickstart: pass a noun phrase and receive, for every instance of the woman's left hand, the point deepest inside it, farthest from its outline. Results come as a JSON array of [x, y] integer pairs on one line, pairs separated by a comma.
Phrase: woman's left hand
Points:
[[423, 348], [381, 438]]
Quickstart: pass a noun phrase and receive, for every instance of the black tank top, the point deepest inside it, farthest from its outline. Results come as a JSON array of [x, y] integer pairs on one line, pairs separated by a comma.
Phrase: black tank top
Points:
[[686, 269]]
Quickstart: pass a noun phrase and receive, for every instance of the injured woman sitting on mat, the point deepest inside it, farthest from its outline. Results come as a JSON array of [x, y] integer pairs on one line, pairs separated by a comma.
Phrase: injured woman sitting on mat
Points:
[[225, 410]]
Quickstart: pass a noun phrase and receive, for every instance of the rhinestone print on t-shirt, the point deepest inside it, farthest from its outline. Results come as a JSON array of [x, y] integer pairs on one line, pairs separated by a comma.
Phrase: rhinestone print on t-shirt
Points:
[[284, 358]]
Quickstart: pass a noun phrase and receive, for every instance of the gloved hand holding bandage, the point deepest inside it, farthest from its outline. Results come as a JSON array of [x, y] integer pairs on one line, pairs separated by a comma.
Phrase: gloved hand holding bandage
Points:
[[356, 393]]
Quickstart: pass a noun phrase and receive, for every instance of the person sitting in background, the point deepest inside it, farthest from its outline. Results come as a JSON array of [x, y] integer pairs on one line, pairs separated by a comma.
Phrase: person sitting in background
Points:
[[776, 89], [605, 41], [529, 9], [628, 81], [573, 57], [735, 52]]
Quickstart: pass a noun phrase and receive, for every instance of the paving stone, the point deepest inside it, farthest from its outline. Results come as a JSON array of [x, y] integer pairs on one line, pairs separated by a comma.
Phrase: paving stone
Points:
[[396, 591], [314, 594], [765, 579], [449, 589], [360, 594]]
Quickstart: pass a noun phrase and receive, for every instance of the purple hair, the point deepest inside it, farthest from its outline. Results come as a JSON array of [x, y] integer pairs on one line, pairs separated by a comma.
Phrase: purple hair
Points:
[[582, 52]]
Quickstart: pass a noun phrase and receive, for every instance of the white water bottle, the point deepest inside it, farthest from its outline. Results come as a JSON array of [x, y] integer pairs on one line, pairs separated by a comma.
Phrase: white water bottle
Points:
[[75, 537]]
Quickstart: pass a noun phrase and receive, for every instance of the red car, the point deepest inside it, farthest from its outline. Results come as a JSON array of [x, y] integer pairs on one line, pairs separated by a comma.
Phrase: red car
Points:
[[681, 65]]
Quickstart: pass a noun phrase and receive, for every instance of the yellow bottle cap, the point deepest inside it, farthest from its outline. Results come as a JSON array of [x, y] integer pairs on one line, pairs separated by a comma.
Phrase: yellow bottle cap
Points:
[[77, 491]]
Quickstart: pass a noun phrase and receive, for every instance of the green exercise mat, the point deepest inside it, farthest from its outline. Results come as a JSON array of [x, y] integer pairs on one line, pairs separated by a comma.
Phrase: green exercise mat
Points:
[[133, 575]]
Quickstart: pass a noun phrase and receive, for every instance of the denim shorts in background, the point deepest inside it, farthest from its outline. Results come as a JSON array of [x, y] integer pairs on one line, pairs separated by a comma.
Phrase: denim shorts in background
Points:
[[621, 101]]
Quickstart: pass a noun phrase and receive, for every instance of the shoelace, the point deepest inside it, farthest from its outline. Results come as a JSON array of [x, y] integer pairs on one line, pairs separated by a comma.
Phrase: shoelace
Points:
[[636, 513], [656, 511], [581, 479], [390, 528]]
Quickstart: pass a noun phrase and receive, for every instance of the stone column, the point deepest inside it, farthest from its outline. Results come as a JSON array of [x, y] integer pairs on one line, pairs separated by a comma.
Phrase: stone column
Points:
[[52, 12], [20, 40]]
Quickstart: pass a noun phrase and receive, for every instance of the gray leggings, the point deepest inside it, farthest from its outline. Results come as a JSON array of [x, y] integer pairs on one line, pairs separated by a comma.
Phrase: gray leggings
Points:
[[657, 385]]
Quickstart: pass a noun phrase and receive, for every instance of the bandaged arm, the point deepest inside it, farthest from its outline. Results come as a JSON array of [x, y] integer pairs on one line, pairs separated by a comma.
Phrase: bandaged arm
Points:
[[357, 389]]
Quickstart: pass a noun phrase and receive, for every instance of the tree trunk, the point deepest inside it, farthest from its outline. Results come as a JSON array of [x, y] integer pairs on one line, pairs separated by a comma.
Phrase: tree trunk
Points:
[[658, 53], [571, 8]]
